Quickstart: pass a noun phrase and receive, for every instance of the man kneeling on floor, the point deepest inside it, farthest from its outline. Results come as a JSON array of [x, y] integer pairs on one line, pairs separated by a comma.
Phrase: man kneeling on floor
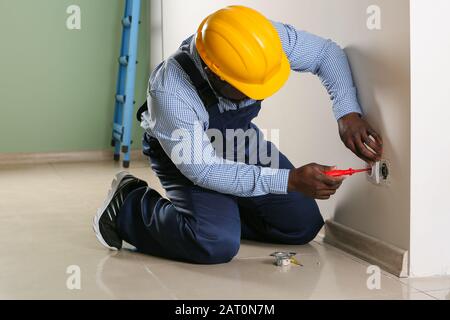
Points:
[[223, 180]]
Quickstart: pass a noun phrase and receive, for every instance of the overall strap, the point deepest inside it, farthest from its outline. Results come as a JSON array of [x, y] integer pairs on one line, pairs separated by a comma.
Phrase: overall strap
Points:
[[204, 91]]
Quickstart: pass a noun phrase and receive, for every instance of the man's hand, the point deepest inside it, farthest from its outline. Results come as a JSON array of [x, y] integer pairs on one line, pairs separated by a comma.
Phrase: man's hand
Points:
[[356, 134], [312, 181]]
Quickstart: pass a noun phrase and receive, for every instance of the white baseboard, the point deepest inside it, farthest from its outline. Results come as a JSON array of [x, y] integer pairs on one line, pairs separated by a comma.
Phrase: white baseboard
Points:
[[388, 257], [58, 157]]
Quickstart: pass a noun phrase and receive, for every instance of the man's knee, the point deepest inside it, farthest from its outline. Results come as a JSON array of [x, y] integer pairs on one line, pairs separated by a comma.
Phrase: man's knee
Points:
[[310, 233], [306, 223], [309, 226], [219, 250]]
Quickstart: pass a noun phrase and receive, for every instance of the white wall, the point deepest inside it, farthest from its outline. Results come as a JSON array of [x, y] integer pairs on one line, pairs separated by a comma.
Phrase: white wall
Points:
[[430, 157], [156, 33], [380, 61]]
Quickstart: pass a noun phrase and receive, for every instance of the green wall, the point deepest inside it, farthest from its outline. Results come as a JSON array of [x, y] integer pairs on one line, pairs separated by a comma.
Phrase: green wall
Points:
[[57, 86]]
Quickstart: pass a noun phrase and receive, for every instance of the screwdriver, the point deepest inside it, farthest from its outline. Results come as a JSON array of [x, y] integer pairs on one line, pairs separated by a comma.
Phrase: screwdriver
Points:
[[348, 172]]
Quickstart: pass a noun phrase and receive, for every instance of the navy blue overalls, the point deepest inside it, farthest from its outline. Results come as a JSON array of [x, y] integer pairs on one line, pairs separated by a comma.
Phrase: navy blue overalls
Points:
[[203, 226]]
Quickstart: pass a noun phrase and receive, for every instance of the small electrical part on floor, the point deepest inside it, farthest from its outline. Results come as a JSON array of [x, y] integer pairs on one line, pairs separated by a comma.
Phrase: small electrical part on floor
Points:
[[283, 259]]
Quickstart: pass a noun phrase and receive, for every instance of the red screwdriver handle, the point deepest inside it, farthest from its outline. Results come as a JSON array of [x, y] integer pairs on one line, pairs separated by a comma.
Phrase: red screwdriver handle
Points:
[[348, 172], [338, 173]]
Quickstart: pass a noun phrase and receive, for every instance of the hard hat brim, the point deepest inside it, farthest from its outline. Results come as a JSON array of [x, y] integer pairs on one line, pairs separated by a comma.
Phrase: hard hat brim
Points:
[[264, 90]]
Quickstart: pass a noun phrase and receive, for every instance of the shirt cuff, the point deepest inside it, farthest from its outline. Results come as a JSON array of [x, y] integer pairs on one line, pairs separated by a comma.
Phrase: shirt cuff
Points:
[[348, 104], [277, 180]]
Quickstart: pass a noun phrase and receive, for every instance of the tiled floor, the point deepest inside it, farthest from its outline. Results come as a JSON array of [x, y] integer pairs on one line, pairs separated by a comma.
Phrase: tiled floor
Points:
[[45, 226]]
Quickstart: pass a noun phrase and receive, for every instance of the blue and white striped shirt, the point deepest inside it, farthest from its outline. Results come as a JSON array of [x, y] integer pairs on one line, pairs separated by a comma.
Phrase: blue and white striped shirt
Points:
[[174, 104]]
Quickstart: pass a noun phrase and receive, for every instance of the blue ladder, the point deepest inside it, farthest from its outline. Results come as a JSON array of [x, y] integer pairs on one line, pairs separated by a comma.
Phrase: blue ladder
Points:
[[123, 113]]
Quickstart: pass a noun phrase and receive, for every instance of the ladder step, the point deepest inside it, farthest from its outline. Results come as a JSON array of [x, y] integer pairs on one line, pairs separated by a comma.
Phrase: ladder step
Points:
[[121, 98], [118, 128], [117, 136], [117, 132], [123, 60], [126, 22]]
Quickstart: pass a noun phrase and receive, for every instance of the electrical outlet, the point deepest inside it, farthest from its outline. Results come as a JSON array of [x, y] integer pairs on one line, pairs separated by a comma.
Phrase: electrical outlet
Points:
[[380, 173]]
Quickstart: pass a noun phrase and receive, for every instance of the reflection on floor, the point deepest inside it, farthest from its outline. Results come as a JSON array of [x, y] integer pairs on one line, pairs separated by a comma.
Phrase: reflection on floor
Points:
[[45, 227]]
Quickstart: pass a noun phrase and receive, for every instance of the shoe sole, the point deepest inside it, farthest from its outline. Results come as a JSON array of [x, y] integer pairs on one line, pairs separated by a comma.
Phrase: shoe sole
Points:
[[102, 210]]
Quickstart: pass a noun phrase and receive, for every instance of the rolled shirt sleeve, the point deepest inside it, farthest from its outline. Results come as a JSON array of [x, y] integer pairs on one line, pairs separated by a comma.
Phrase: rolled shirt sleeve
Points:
[[310, 53]]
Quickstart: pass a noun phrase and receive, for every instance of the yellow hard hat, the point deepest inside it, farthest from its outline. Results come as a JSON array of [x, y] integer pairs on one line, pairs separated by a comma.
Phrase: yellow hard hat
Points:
[[243, 48]]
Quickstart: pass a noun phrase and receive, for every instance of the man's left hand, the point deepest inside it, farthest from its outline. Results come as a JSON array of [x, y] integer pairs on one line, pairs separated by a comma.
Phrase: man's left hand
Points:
[[356, 134]]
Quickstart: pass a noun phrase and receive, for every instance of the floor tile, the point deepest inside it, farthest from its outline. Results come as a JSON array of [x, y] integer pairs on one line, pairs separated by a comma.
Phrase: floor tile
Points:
[[251, 249], [324, 275], [407, 295], [429, 283], [440, 294]]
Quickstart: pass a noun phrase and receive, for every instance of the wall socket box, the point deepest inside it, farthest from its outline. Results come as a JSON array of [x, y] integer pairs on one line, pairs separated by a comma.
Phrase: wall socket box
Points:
[[380, 174]]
